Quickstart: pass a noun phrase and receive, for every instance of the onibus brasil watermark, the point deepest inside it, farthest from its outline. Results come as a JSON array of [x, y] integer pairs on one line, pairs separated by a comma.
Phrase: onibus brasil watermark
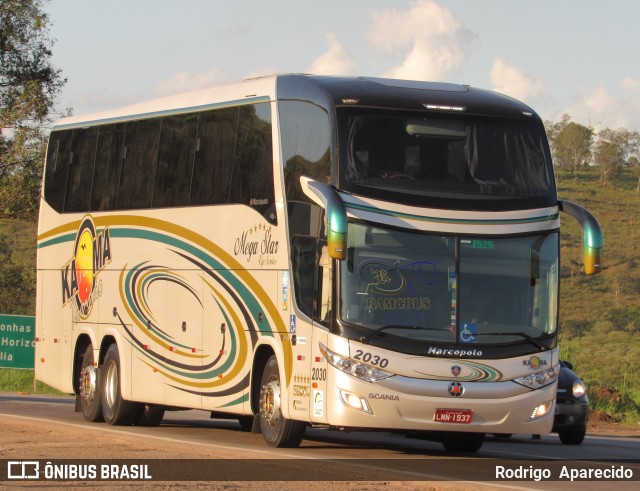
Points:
[[32, 469]]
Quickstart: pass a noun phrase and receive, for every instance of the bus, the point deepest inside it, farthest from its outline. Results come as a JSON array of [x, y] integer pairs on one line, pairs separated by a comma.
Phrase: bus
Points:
[[299, 251]]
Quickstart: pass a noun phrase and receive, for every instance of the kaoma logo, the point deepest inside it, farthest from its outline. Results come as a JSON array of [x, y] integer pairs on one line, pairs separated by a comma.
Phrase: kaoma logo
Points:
[[91, 253]]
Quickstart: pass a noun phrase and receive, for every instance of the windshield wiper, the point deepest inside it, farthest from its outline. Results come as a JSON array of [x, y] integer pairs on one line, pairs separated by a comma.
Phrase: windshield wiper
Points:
[[524, 335], [366, 338]]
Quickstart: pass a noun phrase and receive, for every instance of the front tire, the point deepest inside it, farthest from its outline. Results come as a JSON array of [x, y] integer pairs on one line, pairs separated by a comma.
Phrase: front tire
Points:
[[88, 396], [277, 430], [572, 437], [115, 409], [463, 442]]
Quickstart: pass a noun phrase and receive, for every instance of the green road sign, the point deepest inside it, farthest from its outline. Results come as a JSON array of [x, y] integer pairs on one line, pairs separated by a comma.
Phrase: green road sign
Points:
[[17, 341]]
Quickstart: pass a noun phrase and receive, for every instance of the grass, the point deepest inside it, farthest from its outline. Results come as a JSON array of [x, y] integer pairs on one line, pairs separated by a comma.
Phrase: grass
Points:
[[622, 407], [600, 315], [14, 380]]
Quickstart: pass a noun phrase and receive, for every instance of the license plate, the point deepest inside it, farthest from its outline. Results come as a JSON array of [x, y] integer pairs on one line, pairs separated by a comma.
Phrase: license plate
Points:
[[462, 416]]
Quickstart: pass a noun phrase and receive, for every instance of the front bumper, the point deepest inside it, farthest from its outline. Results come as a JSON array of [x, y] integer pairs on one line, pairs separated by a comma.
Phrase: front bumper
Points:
[[401, 403]]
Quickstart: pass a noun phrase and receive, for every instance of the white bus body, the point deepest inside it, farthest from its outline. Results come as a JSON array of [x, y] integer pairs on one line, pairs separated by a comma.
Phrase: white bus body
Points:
[[230, 250]]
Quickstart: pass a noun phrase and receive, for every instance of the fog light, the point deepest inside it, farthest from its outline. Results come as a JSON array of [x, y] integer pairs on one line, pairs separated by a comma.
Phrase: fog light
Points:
[[355, 401], [541, 410]]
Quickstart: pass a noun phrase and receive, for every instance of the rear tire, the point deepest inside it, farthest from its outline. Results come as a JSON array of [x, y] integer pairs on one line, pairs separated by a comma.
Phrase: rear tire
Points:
[[463, 442], [88, 396], [115, 409], [276, 429]]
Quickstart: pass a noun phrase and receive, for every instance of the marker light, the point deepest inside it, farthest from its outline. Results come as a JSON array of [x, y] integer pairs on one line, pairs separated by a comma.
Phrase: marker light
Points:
[[441, 107], [357, 369], [540, 379]]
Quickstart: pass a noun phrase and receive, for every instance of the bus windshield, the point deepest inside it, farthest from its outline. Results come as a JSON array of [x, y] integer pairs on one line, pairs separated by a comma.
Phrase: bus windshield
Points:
[[446, 161], [449, 289]]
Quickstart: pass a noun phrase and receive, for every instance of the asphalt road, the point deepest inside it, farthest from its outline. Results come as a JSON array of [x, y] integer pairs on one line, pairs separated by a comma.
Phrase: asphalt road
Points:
[[336, 456]]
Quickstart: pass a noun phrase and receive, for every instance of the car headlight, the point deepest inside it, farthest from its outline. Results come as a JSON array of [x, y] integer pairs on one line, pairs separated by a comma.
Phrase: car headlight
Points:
[[578, 389], [540, 379], [357, 369]]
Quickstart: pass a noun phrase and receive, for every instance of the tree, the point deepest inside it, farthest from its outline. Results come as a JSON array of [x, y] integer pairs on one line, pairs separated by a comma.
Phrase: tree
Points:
[[553, 129], [28, 87], [613, 150], [608, 156], [571, 143]]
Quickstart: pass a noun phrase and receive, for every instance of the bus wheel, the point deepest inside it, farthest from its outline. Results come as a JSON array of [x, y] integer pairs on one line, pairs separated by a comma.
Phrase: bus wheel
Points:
[[276, 429], [89, 388], [572, 437], [463, 442], [150, 415], [115, 409], [246, 422]]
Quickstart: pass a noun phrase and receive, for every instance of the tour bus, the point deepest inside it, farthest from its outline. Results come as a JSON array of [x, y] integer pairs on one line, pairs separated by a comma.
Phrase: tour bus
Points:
[[307, 251]]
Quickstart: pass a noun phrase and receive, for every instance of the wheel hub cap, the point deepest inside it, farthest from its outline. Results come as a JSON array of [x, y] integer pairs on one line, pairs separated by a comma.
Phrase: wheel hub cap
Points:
[[270, 402], [88, 378]]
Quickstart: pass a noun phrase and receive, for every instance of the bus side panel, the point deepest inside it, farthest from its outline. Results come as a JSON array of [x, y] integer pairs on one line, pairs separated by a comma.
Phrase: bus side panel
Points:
[[54, 346], [160, 328], [300, 387], [319, 376]]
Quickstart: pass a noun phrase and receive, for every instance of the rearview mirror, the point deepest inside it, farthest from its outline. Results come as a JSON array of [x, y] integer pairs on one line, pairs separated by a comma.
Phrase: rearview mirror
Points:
[[336, 215], [593, 240]]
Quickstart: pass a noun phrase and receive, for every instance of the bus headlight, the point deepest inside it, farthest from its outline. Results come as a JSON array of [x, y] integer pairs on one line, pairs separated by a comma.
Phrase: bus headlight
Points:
[[539, 379], [361, 370]]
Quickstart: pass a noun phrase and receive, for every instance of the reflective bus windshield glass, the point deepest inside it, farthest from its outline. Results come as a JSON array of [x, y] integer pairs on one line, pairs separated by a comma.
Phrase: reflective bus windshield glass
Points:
[[449, 289], [450, 161]]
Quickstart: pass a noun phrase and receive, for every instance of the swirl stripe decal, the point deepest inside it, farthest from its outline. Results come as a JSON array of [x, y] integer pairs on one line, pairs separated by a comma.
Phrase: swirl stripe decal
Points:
[[249, 320], [133, 308], [218, 372], [479, 373], [150, 353], [239, 387]]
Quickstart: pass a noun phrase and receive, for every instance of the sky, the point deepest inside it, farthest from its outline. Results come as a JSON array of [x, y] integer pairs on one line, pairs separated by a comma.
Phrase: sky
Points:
[[578, 57]]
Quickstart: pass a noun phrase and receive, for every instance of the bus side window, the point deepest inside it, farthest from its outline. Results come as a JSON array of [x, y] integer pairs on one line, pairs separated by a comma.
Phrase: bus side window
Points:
[[305, 132], [303, 259], [175, 160], [252, 176], [55, 179], [80, 178], [106, 174], [214, 157], [139, 164]]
